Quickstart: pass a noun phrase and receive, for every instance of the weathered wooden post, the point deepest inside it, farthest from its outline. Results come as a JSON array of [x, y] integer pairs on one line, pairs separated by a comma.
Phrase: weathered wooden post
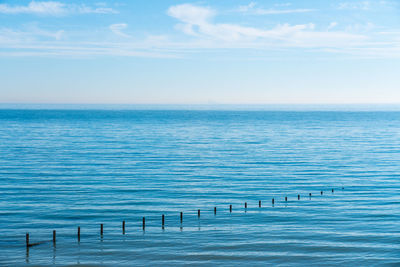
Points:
[[198, 213], [245, 205], [322, 193], [54, 237], [286, 198], [298, 197], [144, 223], [101, 229], [181, 216], [79, 234], [123, 227], [215, 210], [163, 221], [259, 203], [273, 201], [27, 239], [230, 208]]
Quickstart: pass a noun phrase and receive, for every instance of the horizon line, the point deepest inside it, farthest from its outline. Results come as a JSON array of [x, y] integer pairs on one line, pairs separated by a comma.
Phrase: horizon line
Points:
[[354, 107]]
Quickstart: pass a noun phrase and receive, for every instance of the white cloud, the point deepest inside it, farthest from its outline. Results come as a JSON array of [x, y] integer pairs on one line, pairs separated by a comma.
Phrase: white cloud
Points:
[[332, 25], [52, 8], [35, 41], [33, 33], [198, 21], [247, 7], [283, 4], [360, 27], [363, 5], [260, 11], [201, 32], [252, 9], [368, 5], [44, 8], [191, 14], [117, 29]]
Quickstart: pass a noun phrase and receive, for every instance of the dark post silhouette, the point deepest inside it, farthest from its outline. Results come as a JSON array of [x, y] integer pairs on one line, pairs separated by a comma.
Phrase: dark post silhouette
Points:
[[27, 239], [285, 198], [230, 208], [245, 205], [259, 203], [322, 193], [123, 227], [332, 190], [298, 197], [273, 201], [181, 216], [79, 233], [163, 221], [198, 213], [215, 210], [101, 229], [54, 237], [144, 223]]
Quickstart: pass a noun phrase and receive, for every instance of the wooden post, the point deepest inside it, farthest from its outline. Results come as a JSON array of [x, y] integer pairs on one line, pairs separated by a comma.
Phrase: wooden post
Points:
[[230, 208], [54, 237], [101, 229], [332, 190], [245, 205], [285, 198], [181, 216], [163, 220], [27, 239], [298, 197], [322, 193], [309, 195], [144, 223], [123, 227], [215, 210], [259, 203], [198, 213], [273, 201], [79, 233]]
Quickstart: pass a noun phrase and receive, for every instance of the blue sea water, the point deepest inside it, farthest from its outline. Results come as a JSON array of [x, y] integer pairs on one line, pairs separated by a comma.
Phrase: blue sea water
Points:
[[61, 168]]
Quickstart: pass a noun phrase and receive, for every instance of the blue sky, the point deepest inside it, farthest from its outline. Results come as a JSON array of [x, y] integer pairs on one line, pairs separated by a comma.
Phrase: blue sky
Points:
[[202, 52]]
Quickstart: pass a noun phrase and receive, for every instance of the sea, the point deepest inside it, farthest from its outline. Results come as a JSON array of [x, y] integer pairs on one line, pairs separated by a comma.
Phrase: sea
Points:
[[308, 186]]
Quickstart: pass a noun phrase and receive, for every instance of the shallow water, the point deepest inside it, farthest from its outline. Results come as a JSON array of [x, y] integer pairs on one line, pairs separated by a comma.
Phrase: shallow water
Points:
[[60, 169]]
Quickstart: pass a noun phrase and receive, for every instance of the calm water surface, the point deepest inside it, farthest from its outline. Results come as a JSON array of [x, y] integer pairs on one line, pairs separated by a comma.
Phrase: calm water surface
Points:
[[60, 169]]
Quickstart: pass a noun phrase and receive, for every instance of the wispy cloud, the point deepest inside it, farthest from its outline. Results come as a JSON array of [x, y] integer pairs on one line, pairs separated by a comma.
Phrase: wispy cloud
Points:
[[332, 25], [252, 8], [260, 11], [53, 8], [198, 21], [358, 27], [283, 4], [32, 33], [117, 29], [43, 8], [36, 41], [363, 5], [367, 5], [199, 29]]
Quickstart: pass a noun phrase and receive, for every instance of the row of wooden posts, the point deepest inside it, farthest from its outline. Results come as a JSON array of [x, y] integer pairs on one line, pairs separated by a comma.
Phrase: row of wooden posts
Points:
[[28, 244]]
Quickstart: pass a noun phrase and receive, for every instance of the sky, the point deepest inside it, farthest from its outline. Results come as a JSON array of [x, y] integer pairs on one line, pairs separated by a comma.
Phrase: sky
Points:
[[200, 52]]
